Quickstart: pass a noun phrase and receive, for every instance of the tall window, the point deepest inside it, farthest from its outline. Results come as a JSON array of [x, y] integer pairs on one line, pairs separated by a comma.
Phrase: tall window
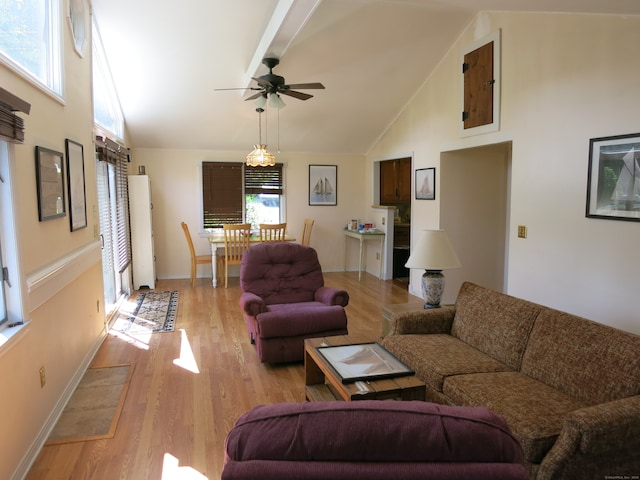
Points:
[[11, 130], [235, 193], [30, 40], [106, 107]]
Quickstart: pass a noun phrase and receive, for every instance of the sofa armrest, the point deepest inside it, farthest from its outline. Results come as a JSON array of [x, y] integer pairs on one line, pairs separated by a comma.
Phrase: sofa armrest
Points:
[[606, 431], [429, 321], [331, 296], [611, 426], [252, 304]]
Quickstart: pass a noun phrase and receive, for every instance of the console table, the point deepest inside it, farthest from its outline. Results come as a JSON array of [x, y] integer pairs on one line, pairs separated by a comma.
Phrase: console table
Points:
[[363, 237]]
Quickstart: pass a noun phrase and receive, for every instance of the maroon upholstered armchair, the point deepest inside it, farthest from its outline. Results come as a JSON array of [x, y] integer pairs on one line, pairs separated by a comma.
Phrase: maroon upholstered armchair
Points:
[[284, 300], [372, 440]]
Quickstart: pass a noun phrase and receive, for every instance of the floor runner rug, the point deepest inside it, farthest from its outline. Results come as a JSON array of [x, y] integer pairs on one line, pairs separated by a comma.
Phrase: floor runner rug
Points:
[[154, 312], [94, 408]]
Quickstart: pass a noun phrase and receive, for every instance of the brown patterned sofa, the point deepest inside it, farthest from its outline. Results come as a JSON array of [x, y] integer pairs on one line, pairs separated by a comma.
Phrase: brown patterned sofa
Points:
[[569, 388]]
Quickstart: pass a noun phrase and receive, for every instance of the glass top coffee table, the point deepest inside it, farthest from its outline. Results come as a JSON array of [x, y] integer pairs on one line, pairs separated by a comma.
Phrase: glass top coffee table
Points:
[[350, 367]]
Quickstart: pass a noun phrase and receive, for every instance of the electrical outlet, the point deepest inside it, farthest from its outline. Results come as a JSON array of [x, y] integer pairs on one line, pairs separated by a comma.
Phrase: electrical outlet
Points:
[[522, 231], [377, 255], [43, 377], [384, 220]]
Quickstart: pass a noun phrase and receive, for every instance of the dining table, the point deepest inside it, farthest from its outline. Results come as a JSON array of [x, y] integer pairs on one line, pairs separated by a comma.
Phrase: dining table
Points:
[[216, 240]]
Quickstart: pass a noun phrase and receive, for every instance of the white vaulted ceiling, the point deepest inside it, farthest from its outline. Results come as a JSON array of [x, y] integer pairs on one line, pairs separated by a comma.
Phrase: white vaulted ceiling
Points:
[[167, 58]]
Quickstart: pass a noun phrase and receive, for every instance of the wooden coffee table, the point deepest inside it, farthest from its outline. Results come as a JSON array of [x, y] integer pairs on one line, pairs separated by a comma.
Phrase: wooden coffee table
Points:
[[323, 383]]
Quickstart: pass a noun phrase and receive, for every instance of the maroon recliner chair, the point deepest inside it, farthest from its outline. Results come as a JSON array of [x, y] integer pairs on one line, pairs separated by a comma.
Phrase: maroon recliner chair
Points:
[[372, 440], [284, 300]]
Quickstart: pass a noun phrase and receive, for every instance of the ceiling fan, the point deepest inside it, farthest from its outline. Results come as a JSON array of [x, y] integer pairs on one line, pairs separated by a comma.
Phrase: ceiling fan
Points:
[[272, 85]]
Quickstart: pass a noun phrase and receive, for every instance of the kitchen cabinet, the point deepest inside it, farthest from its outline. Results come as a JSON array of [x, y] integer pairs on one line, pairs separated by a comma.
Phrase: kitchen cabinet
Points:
[[395, 181]]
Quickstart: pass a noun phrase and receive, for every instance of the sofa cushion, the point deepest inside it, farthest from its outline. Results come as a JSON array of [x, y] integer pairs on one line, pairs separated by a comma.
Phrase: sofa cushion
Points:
[[534, 411], [372, 431], [281, 272], [493, 322], [435, 357], [300, 319], [587, 360]]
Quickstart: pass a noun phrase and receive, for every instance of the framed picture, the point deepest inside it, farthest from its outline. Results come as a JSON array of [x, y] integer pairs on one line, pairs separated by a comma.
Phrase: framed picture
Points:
[[613, 181], [363, 361], [323, 185], [76, 186], [426, 184], [50, 184]]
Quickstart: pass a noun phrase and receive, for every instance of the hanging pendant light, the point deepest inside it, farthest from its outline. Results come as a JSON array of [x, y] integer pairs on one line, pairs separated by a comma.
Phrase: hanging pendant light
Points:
[[260, 156]]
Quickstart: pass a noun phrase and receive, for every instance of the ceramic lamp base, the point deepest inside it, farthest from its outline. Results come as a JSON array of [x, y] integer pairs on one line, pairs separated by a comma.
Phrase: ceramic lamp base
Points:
[[432, 288]]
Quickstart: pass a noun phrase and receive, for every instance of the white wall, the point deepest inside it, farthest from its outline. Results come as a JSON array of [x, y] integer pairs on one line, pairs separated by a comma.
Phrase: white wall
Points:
[[65, 319], [176, 190], [565, 79]]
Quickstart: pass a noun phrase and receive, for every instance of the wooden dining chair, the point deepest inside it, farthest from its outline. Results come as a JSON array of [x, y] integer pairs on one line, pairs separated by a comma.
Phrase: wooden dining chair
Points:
[[236, 241], [195, 259], [272, 232], [306, 231]]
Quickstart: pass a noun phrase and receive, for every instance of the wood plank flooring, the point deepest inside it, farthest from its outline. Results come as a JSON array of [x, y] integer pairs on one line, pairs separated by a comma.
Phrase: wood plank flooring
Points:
[[189, 386]]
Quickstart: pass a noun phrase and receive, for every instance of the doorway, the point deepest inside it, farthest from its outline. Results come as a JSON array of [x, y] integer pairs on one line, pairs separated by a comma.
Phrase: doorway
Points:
[[395, 191], [474, 211]]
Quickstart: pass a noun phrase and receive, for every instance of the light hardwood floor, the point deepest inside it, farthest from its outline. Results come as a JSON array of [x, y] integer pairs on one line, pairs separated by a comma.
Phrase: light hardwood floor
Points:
[[189, 386]]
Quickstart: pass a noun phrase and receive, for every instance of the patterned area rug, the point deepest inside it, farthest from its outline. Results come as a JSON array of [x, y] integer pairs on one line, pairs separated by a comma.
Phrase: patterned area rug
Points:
[[154, 312]]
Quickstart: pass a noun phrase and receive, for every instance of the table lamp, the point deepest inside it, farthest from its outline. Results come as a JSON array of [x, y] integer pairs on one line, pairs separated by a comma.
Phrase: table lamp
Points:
[[434, 253]]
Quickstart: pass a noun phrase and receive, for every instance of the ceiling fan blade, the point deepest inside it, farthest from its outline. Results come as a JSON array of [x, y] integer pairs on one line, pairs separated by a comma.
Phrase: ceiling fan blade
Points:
[[298, 95], [239, 88], [306, 85], [262, 82], [253, 97]]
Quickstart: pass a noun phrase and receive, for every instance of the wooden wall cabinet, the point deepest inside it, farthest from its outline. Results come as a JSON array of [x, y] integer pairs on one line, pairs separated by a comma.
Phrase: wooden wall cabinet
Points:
[[481, 86], [395, 181]]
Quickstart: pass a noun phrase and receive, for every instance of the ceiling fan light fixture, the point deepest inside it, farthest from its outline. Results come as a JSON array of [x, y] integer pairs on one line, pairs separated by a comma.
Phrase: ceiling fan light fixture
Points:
[[260, 156], [276, 102], [261, 101]]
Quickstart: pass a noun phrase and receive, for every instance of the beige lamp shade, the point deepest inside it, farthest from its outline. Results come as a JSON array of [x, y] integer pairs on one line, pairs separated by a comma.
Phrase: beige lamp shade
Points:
[[433, 251]]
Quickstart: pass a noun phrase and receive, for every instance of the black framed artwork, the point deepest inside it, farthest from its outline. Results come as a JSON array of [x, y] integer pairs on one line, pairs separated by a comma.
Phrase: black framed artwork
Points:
[[426, 184], [76, 185], [323, 185], [50, 184], [613, 180]]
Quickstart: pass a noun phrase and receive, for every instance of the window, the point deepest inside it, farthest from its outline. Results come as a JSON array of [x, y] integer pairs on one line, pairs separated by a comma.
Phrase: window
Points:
[[11, 130], [30, 40], [106, 107], [10, 294], [235, 193]]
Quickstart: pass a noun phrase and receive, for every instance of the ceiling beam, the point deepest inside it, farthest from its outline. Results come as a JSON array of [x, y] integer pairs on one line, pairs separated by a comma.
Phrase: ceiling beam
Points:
[[287, 20]]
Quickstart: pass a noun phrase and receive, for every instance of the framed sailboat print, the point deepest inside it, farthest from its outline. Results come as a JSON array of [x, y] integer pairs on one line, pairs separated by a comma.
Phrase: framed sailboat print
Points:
[[426, 184], [613, 181], [323, 185]]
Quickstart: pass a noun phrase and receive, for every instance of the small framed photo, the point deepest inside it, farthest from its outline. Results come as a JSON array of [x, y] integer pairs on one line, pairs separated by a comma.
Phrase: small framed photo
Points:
[[426, 184], [50, 184], [76, 185], [323, 185], [613, 181]]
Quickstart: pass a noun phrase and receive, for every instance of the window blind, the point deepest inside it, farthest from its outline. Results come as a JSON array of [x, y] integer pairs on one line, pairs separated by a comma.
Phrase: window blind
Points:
[[222, 195], [11, 125], [111, 152], [259, 180]]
